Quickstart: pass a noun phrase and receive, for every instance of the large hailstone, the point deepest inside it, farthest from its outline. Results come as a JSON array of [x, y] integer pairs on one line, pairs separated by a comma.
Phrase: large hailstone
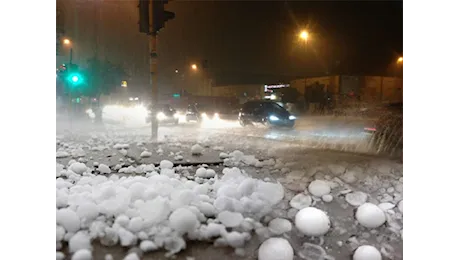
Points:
[[165, 164], [300, 201], [367, 252], [197, 149], [312, 221], [279, 226], [319, 188], [356, 198], [370, 215], [230, 219], [183, 220], [275, 248], [403, 205]]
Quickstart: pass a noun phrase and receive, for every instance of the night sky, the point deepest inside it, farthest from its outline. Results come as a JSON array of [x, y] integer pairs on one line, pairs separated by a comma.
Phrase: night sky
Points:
[[246, 42], [249, 41]]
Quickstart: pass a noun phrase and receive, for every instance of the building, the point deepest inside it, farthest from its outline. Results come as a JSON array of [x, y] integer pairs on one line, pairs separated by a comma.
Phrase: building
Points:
[[342, 88], [242, 92]]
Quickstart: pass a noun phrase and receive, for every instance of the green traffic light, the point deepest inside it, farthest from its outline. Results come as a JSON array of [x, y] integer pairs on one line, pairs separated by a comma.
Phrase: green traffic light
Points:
[[75, 79]]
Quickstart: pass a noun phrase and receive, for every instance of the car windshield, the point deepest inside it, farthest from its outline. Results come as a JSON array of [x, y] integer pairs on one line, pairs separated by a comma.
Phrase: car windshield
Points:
[[275, 108]]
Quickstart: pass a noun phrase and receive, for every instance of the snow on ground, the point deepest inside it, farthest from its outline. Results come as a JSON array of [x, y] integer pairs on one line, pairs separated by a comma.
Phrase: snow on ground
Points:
[[256, 196]]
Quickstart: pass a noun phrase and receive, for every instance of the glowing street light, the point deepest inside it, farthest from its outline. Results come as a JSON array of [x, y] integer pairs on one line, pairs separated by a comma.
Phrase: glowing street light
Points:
[[400, 59], [194, 67], [67, 42], [303, 35]]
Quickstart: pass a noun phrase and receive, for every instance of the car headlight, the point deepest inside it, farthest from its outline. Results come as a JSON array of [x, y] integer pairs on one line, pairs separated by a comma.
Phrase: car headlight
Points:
[[273, 118], [292, 118], [161, 116], [203, 115], [216, 115], [176, 115]]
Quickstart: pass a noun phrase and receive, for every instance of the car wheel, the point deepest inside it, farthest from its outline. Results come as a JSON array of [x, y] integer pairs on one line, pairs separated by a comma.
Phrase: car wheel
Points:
[[267, 123]]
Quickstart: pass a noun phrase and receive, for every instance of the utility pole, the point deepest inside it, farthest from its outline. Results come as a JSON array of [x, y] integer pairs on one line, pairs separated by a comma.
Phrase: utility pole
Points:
[[153, 77], [151, 21]]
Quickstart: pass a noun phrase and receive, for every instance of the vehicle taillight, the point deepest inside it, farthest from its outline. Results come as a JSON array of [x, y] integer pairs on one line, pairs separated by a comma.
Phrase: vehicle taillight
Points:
[[370, 129]]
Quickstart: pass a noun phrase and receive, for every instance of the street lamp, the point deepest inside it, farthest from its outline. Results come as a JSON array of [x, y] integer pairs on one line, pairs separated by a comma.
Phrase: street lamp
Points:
[[194, 67], [400, 59], [303, 35], [69, 43]]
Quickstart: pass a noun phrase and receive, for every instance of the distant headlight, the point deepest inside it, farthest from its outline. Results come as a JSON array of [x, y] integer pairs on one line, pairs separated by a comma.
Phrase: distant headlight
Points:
[[203, 115], [176, 115], [273, 118], [161, 116], [216, 115], [292, 118]]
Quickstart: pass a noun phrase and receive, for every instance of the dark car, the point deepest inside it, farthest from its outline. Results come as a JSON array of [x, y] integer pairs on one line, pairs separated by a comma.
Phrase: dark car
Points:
[[165, 114], [199, 113], [268, 113], [192, 113], [387, 128]]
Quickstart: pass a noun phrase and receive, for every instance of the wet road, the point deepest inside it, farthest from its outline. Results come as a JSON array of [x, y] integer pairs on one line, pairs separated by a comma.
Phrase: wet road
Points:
[[305, 128], [322, 132]]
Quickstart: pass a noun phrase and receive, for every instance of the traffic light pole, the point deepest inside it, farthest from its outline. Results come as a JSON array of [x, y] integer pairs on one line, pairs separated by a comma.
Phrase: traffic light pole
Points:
[[152, 18], [70, 108], [70, 91], [71, 54], [153, 76]]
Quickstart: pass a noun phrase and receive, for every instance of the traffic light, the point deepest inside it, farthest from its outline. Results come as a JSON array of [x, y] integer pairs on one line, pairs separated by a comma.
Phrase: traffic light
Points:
[[160, 16], [144, 16], [74, 77]]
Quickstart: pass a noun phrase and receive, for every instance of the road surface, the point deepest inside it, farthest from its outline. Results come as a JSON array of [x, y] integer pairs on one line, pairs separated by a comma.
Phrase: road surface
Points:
[[334, 133]]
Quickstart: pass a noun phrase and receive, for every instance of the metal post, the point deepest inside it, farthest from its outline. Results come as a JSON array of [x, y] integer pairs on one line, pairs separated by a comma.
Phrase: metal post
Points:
[[70, 105], [70, 90], [71, 54], [153, 75]]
